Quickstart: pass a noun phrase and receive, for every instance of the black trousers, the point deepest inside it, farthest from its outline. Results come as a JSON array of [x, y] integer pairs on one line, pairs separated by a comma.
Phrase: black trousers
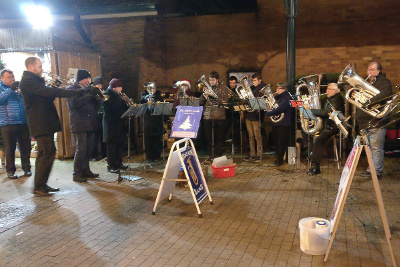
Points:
[[44, 159], [12, 134], [114, 153], [319, 143], [281, 140], [153, 147], [219, 136], [84, 142]]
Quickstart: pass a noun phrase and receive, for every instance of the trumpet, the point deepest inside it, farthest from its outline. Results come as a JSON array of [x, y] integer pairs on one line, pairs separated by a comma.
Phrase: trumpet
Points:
[[101, 96], [54, 80], [127, 100]]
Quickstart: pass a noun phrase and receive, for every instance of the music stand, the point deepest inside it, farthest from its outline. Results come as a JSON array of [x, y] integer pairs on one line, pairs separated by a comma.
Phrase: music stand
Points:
[[189, 101], [240, 108], [258, 103], [132, 110], [141, 111], [163, 108]]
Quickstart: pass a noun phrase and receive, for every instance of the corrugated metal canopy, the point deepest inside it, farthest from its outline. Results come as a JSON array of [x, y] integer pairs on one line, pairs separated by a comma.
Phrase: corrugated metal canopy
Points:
[[25, 39]]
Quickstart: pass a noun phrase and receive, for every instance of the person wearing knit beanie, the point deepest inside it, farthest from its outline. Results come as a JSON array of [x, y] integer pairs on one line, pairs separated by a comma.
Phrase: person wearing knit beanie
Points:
[[114, 83], [113, 125], [82, 74]]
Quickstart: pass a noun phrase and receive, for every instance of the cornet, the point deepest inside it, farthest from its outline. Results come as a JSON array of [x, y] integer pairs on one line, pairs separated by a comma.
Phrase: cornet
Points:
[[101, 96], [54, 80]]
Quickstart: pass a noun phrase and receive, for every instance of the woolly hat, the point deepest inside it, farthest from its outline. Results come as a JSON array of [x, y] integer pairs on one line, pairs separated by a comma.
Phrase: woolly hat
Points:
[[115, 83], [187, 82], [97, 80], [82, 74]]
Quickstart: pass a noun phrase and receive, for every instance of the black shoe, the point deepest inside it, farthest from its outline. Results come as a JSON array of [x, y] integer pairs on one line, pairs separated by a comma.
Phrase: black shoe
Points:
[[52, 189], [249, 158], [27, 174], [79, 179], [368, 174], [41, 192], [123, 167], [90, 175], [12, 175], [278, 163], [315, 170]]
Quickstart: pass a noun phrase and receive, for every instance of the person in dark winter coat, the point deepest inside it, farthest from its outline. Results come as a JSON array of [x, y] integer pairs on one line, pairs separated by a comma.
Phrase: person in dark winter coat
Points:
[[113, 125], [14, 125], [376, 137], [330, 129], [281, 129], [153, 126], [43, 120], [214, 116], [82, 122]]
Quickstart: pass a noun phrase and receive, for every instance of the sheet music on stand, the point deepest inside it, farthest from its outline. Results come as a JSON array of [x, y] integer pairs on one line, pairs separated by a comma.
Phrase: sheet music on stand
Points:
[[307, 113], [189, 101], [131, 111], [163, 108], [258, 103], [141, 110]]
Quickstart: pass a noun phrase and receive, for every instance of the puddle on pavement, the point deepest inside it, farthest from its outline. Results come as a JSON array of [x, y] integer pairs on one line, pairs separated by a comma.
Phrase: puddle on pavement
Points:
[[10, 213]]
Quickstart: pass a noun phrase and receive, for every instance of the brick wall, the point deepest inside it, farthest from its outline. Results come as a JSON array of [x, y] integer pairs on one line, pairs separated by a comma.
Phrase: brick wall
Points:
[[329, 35]]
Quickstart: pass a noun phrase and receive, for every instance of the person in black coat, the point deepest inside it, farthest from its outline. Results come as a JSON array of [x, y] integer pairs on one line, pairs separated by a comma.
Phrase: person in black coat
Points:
[[281, 129], [330, 129], [43, 120], [113, 125], [153, 126], [83, 124]]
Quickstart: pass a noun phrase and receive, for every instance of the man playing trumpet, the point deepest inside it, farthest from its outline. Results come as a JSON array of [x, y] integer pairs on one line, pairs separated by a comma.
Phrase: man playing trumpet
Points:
[[83, 124]]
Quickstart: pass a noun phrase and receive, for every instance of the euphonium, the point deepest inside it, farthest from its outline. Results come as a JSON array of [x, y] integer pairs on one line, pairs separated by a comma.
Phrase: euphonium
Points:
[[181, 88], [149, 86], [361, 93], [207, 90], [308, 92], [243, 89], [271, 103]]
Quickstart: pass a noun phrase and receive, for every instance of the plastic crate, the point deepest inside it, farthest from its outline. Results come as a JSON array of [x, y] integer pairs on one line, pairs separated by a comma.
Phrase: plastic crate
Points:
[[224, 171]]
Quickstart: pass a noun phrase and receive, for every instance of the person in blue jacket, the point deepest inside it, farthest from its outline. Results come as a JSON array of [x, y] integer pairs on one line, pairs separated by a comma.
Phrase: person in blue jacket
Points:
[[281, 129], [14, 125]]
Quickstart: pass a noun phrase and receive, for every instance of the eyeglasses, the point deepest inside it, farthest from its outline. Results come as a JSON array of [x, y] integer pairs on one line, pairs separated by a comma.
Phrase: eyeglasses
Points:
[[371, 69]]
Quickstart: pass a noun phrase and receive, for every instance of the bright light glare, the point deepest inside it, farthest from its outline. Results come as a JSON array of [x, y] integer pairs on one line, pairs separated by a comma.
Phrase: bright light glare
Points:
[[38, 16]]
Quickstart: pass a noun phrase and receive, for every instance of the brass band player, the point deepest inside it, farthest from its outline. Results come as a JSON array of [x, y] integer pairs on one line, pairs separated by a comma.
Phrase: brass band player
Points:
[[182, 89], [214, 116], [113, 125], [330, 129], [153, 124], [254, 119]]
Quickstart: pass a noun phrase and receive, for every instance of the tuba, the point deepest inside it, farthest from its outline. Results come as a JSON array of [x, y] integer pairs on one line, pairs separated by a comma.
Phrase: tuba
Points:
[[361, 93], [308, 92], [207, 90], [271, 103]]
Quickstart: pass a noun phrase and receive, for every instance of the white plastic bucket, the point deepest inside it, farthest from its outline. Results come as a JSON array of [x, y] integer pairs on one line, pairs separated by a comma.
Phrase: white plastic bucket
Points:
[[314, 235]]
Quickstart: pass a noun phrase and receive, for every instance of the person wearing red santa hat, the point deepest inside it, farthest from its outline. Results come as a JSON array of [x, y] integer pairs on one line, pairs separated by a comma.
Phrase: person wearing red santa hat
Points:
[[181, 89]]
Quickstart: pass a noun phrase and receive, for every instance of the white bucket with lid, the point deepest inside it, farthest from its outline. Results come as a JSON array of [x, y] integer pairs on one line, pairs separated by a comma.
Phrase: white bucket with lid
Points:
[[314, 235]]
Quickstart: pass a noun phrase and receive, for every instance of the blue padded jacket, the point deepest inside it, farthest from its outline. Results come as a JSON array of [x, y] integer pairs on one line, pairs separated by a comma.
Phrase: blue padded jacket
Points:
[[12, 110]]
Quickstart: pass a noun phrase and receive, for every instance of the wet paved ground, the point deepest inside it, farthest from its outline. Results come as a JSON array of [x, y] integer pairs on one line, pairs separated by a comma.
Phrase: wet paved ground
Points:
[[253, 222]]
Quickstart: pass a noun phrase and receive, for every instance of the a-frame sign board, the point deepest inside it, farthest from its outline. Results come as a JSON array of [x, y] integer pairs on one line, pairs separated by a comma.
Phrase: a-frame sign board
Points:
[[343, 190], [186, 157]]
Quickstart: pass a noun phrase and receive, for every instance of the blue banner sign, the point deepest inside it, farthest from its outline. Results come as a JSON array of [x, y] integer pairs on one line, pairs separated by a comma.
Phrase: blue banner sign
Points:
[[194, 174], [186, 122]]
